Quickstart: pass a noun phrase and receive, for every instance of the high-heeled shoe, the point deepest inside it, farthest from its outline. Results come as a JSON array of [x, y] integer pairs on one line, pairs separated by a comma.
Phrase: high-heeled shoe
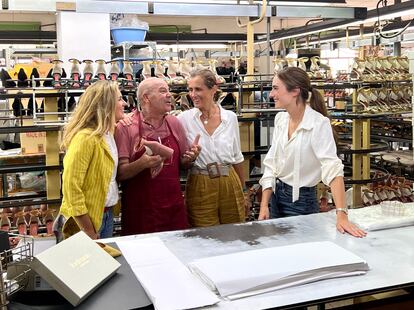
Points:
[[100, 70], [20, 223], [184, 69], [75, 73], [22, 78], [146, 69], [278, 64], [57, 73], [34, 222], [34, 75], [5, 223], [48, 219], [6, 79], [213, 67], [302, 63], [114, 70], [128, 74], [87, 72]]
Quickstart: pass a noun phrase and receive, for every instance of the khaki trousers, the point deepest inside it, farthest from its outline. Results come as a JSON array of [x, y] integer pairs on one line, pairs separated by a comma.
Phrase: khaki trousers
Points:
[[214, 201]]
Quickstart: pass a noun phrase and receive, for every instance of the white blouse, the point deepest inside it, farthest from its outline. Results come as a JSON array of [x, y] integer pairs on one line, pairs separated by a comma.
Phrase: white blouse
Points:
[[112, 196], [223, 146], [304, 160]]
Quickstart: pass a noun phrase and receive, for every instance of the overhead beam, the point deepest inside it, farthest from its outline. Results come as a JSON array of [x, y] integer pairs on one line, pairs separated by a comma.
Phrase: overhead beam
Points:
[[24, 37], [163, 38], [340, 23], [207, 9], [180, 9], [319, 12]]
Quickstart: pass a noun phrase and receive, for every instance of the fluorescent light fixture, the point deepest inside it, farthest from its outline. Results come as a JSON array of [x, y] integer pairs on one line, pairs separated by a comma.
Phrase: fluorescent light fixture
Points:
[[306, 3], [353, 37], [291, 3]]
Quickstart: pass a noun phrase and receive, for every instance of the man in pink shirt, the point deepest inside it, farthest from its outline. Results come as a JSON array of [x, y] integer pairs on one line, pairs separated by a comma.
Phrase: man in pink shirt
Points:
[[152, 202]]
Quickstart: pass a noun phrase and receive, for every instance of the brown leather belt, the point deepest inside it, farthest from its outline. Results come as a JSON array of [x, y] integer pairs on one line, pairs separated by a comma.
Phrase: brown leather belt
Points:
[[213, 170]]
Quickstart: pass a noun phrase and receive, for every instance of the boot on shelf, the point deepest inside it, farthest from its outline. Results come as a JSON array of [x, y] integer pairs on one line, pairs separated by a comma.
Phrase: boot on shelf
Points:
[[291, 62], [184, 68], [302, 63], [5, 223], [160, 71], [22, 79], [35, 75], [212, 63], [114, 71], [57, 73], [278, 64], [175, 79], [146, 69], [6, 79], [48, 219], [75, 73], [34, 222], [128, 74], [20, 223], [18, 108], [100, 70], [87, 73]]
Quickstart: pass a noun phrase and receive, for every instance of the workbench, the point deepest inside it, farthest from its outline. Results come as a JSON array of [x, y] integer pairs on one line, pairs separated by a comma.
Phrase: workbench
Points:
[[389, 254]]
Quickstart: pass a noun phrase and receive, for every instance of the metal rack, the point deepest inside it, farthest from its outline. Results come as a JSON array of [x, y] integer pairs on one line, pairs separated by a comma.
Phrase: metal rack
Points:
[[14, 268]]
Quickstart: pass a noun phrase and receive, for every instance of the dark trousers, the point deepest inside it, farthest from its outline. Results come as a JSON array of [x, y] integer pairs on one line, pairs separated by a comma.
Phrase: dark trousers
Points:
[[281, 204]]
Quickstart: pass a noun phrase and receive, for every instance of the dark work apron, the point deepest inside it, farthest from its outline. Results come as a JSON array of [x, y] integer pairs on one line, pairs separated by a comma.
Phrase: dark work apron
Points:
[[154, 204]]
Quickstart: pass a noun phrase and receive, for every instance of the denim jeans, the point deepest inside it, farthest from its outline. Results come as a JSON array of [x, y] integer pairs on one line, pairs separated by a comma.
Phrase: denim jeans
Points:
[[107, 228], [281, 204]]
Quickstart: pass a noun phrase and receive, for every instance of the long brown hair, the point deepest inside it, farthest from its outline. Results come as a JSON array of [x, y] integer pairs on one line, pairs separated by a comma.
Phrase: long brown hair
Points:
[[95, 111], [294, 77]]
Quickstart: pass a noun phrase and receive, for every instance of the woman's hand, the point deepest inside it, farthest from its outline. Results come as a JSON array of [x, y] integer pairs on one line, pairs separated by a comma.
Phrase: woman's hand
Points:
[[247, 203], [191, 155], [264, 212], [92, 234], [127, 120], [343, 225]]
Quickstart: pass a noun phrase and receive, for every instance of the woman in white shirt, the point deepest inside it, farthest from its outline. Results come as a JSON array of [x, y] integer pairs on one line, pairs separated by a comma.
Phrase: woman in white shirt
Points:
[[303, 153], [214, 191]]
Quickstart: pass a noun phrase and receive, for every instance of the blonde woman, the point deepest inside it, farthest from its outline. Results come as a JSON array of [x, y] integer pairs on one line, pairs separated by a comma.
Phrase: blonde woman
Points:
[[90, 164]]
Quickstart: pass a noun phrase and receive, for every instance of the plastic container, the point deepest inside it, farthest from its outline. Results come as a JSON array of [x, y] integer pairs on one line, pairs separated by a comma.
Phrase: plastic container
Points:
[[392, 208], [125, 34]]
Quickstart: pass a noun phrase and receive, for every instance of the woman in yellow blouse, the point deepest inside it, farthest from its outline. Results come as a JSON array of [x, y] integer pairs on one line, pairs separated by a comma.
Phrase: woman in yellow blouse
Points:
[[90, 164]]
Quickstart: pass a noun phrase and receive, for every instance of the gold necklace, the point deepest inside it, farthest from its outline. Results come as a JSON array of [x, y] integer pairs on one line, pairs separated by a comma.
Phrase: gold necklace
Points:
[[206, 118]]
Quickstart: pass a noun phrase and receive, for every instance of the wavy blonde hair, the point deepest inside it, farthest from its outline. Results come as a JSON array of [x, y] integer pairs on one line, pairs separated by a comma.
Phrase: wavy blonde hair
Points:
[[95, 111]]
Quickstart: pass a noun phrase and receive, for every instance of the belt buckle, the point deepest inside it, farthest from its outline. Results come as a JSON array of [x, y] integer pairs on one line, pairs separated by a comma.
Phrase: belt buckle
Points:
[[213, 170]]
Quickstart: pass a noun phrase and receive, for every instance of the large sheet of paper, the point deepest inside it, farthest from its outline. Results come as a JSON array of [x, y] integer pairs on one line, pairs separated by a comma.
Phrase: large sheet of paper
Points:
[[253, 272], [168, 282], [373, 218]]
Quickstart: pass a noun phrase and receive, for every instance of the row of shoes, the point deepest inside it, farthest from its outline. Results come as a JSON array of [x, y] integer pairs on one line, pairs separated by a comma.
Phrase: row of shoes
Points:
[[314, 71], [392, 188], [19, 110], [27, 221], [401, 129], [177, 73], [384, 99], [374, 69]]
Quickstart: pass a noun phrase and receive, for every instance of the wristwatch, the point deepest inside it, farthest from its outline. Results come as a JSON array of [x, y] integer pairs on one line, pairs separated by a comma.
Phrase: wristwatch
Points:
[[345, 210]]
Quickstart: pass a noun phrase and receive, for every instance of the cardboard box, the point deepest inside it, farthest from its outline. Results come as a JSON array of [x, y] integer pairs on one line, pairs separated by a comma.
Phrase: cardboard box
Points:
[[32, 142], [75, 267]]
